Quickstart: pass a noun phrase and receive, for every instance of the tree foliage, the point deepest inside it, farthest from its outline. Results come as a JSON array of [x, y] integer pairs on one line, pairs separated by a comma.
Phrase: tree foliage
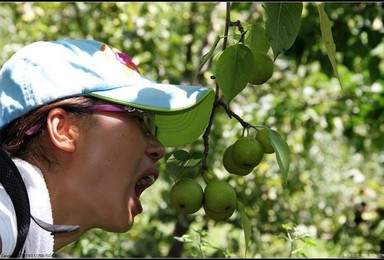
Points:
[[332, 204]]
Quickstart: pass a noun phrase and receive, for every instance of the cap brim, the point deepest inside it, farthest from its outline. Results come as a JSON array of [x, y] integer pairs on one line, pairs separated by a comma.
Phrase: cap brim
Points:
[[182, 112]]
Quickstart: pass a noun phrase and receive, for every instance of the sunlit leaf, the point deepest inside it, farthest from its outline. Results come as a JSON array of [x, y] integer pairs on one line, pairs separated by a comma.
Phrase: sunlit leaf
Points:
[[287, 226], [308, 241], [301, 254], [326, 33], [245, 223], [282, 23], [207, 56], [282, 153], [233, 70], [184, 239]]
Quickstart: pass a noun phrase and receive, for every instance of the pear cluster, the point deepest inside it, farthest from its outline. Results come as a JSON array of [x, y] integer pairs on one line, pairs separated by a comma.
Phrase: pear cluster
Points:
[[218, 198], [247, 152]]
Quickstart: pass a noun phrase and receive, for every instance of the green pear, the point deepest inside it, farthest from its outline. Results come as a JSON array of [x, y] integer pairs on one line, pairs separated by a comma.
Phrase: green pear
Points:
[[187, 195], [219, 200], [231, 166], [247, 152]]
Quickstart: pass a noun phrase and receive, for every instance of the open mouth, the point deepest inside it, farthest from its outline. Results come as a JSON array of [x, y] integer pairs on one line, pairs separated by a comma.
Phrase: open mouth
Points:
[[143, 183]]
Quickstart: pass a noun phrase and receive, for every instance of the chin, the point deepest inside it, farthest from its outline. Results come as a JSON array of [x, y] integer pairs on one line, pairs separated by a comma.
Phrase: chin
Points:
[[121, 226], [119, 229]]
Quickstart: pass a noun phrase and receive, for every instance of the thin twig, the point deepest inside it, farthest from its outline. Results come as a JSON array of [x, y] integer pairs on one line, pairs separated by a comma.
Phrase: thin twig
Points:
[[218, 101], [204, 166], [233, 114]]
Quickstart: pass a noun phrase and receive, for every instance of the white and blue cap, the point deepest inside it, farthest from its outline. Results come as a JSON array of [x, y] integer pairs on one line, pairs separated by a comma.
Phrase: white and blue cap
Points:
[[45, 71]]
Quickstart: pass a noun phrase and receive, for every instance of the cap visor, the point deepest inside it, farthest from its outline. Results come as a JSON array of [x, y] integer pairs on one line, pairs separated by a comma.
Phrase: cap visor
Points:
[[182, 112]]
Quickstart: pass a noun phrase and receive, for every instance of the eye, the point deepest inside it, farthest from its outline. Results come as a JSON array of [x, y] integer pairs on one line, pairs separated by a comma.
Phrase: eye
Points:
[[141, 123], [139, 119], [147, 123]]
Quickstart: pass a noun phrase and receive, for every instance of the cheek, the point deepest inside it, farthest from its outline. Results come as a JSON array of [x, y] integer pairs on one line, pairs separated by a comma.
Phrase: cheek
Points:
[[115, 155], [125, 142], [116, 145], [112, 161]]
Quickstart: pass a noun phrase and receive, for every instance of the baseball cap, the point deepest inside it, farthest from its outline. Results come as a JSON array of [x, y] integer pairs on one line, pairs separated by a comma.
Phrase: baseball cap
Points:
[[45, 71]]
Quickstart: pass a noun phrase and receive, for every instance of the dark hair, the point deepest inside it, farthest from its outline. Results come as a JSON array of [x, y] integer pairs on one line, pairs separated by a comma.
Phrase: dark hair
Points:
[[14, 139]]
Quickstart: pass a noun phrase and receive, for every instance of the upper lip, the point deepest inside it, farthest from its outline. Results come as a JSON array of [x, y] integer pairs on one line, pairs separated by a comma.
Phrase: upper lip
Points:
[[152, 171]]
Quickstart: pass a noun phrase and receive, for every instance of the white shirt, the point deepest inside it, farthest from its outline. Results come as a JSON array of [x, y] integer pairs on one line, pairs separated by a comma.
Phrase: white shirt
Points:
[[39, 243]]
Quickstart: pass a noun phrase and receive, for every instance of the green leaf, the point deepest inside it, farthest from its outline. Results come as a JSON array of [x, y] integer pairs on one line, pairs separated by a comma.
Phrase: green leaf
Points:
[[182, 164], [282, 23], [207, 56], [287, 226], [233, 70], [184, 239], [175, 164], [174, 167], [282, 153], [245, 222], [301, 254], [256, 38], [326, 33], [195, 159], [181, 155], [308, 241]]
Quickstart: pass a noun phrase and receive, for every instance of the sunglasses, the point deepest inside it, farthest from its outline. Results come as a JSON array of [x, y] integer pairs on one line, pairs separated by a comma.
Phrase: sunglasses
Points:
[[145, 119]]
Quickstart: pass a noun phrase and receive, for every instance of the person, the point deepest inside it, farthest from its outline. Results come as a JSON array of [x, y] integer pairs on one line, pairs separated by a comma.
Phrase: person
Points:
[[86, 130]]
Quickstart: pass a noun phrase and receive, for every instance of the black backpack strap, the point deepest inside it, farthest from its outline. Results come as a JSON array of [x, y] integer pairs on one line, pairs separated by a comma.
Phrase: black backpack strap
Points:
[[14, 185]]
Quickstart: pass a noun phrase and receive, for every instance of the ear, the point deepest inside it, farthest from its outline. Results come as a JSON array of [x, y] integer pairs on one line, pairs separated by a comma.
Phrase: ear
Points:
[[61, 129]]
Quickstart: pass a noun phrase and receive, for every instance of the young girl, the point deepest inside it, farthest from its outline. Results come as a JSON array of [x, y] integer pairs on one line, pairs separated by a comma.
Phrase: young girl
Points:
[[85, 129]]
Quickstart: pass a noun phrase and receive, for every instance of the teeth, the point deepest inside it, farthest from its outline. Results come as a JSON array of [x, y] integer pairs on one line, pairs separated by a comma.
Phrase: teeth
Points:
[[151, 179], [147, 180]]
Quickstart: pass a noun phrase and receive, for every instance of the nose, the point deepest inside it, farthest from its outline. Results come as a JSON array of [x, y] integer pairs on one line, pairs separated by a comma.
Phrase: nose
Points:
[[155, 149]]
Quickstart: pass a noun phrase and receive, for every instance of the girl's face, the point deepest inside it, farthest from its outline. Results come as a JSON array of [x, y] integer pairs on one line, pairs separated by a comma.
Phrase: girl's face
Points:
[[115, 164]]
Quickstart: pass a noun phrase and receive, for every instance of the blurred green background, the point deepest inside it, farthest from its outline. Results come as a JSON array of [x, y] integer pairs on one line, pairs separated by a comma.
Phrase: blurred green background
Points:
[[334, 203]]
